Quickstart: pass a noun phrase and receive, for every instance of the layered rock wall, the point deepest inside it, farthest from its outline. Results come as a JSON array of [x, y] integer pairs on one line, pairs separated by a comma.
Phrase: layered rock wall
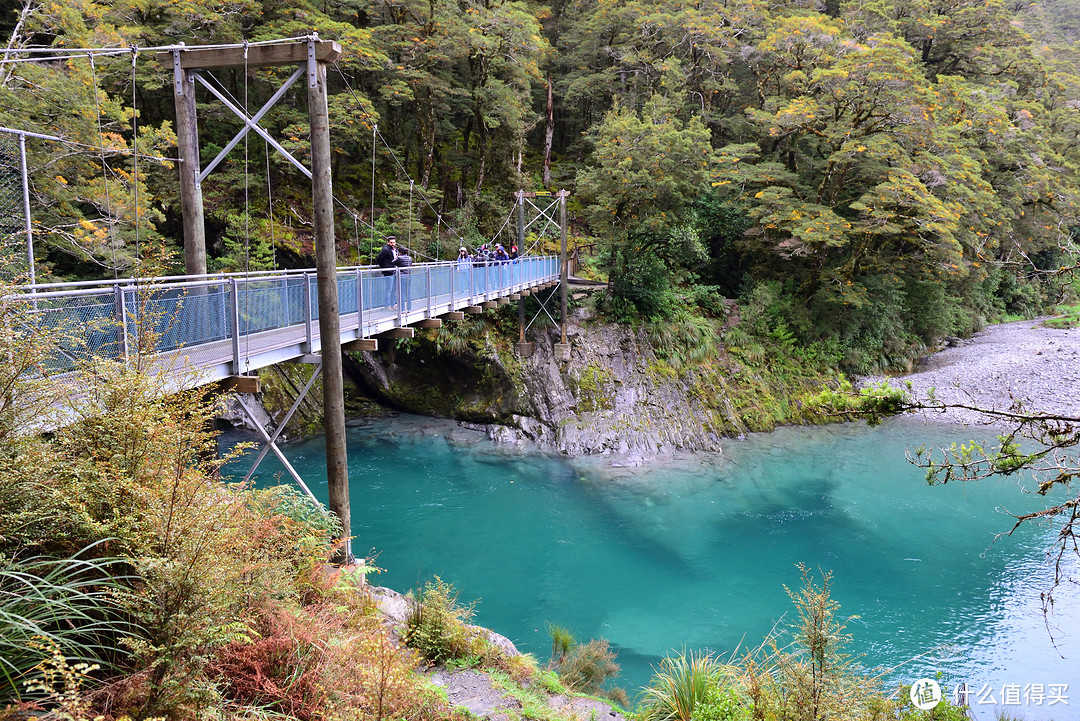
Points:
[[614, 396]]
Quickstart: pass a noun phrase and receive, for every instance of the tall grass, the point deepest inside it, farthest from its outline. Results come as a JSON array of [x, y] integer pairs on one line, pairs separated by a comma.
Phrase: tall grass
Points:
[[75, 605], [680, 685]]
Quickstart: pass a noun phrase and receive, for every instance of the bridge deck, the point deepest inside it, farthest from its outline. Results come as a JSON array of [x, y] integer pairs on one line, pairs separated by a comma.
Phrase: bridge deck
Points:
[[204, 329]]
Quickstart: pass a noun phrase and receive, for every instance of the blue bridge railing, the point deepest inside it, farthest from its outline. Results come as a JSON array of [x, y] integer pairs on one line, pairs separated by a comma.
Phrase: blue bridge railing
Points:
[[235, 319]]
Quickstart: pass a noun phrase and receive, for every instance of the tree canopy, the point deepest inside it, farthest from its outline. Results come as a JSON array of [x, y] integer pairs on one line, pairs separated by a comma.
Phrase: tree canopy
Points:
[[901, 170]]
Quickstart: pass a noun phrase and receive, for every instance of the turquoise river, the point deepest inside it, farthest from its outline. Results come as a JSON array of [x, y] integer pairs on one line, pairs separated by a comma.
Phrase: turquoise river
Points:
[[697, 554]]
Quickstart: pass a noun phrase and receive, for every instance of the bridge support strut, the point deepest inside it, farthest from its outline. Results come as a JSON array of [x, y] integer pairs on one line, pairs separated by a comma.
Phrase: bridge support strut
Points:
[[271, 441], [271, 445]]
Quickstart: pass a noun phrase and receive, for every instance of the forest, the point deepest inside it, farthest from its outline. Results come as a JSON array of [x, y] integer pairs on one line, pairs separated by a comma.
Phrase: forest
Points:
[[864, 176]]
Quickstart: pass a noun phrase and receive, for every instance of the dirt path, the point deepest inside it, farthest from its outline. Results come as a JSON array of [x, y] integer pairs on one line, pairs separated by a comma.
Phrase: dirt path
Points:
[[1023, 361]]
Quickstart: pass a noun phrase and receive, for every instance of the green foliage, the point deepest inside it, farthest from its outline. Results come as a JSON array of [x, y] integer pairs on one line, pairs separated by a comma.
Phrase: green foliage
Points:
[[1067, 316], [562, 640], [683, 339], [71, 607], [649, 167], [944, 711], [640, 288], [873, 402], [437, 624], [681, 686], [721, 704], [245, 246], [291, 503], [709, 299]]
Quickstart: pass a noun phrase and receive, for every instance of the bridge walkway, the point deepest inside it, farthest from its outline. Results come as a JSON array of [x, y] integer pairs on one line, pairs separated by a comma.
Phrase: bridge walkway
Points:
[[208, 328]]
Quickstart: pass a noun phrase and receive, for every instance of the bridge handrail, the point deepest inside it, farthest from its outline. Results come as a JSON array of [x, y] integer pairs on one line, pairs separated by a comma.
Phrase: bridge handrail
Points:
[[40, 289], [115, 318]]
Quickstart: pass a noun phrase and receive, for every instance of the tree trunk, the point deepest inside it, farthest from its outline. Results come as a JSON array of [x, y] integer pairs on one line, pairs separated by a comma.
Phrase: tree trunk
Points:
[[549, 131]]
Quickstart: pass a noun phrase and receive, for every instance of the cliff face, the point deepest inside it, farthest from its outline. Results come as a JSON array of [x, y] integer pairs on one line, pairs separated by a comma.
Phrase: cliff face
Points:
[[612, 397]]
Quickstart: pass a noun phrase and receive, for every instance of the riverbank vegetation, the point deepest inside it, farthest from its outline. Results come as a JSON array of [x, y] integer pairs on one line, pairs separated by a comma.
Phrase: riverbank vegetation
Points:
[[801, 673], [135, 584], [864, 178]]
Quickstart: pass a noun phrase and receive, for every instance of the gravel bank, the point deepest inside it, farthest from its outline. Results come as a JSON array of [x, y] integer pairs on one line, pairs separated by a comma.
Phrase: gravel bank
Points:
[[1023, 361]]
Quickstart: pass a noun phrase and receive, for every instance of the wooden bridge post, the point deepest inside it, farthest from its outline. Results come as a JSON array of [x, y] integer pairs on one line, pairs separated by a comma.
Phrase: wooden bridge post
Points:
[[187, 142], [524, 349], [337, 467]]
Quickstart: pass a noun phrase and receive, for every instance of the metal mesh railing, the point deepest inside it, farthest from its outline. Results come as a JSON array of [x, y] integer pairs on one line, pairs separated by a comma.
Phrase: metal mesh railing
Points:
[[215, 320], [12, 214]]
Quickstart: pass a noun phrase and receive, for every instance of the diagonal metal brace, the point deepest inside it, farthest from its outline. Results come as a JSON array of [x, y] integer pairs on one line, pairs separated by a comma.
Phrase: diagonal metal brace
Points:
[[252, 123], [284, 422], [543, 309], [278, 453]]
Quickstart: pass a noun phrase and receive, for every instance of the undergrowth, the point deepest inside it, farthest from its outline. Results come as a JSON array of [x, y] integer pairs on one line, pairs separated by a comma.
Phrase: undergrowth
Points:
[[438, 628]]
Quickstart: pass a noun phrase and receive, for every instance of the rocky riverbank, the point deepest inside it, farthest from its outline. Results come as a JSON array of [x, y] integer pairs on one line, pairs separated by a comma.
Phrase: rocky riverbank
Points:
[[614, 397], [1022, 362]]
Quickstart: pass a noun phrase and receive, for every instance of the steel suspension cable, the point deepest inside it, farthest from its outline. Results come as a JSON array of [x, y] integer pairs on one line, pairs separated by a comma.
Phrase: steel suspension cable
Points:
[[270, 206], [371, 242], [104, 168], [135, 156]]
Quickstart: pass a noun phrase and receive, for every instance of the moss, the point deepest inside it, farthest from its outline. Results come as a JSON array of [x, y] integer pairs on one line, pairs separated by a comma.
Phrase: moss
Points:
[[594, 388]]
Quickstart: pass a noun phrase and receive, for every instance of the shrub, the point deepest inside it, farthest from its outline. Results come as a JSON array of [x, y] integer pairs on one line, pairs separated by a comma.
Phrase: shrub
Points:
[[640, 288], [562, 640], [722, 704], [684, 338], [325, 661], [437, 624], [586, 666], [279, 670], [709, 299], [681, 685]]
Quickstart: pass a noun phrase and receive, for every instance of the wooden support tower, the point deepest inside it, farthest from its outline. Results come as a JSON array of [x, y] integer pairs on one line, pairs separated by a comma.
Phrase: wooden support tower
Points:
[[310, 56], [562, 349]]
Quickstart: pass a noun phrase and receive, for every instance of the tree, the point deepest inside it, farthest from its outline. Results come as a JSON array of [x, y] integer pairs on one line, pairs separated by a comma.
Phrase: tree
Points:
[[649, 169]]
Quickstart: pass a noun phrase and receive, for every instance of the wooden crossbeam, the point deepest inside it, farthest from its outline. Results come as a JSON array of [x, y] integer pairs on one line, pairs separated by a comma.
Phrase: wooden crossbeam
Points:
[[361, 344], [242, 384], [295, 53], [473, 309], [429, 323], [453, 315], [491, 304], [398, 333]]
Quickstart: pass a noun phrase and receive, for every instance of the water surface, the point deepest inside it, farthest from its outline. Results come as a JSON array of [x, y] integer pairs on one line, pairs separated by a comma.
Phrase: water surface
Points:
[[699, 556]]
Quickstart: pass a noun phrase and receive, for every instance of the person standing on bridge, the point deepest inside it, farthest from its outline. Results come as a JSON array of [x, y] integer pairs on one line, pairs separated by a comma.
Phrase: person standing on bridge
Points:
[[386, 259], [403, 263]]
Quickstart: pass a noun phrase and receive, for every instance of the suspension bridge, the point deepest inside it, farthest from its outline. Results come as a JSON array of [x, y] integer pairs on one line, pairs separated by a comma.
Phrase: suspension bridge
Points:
[[202, 328]]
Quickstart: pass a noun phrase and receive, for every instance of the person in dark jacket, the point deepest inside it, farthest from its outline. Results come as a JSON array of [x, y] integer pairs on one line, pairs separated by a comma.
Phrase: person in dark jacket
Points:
[[500, 255], [386, 259]]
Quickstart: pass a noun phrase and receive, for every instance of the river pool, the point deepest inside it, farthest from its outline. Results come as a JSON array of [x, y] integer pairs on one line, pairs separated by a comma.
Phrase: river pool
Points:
[[697, 554]]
